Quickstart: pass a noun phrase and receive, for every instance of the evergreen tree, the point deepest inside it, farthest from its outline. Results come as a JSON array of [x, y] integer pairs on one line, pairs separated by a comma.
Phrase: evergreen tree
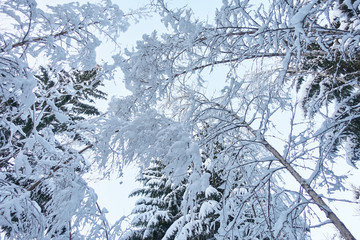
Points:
[[209, 202], [41, 111], [158, 214], [333, 78], [224, 209], [75, 93], [71, 94], [158, 207], [64, 99]]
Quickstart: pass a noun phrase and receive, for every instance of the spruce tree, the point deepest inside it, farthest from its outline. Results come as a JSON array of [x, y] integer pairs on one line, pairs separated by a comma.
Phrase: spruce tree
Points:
[[75, 92], [224, 205], [64, 99], [232, 207], [333, 78], [158, 207], [210, 201], [159, 212]]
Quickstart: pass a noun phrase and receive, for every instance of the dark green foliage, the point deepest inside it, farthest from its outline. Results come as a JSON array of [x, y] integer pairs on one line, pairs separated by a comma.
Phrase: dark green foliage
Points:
[[158, 207], [159, 197], [70, 94], [335, 78], [335, 81], [67, 93], [349, 14], [76, 92]]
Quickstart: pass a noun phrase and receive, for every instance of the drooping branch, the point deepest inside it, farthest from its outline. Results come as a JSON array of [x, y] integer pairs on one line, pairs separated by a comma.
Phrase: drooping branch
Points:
[[37, 183]]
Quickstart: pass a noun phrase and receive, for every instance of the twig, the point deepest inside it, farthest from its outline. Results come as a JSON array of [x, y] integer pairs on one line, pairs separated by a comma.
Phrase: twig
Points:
[[105, 225]]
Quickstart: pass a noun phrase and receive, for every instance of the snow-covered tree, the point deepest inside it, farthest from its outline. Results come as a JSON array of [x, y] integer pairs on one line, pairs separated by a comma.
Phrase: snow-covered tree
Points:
[[332, 79], [158, 206], [63, 95], [251, 109], [300, 86], [158, 212], [42, 192], [232, 206], [74, 93], [223, 198]]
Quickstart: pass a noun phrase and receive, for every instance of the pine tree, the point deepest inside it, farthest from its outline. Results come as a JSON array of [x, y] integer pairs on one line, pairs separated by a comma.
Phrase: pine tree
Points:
[[225, 209], [41, 111], [72, 93], [158, 207], [209, 201], [66, 93], [158, 213], [333, 78]]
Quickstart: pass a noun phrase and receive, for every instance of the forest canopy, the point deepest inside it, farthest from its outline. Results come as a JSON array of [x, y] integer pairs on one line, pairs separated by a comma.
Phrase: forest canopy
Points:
[[213, 164]]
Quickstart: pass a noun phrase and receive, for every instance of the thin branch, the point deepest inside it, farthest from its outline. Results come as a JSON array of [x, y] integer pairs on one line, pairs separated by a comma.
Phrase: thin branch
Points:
[[70, 235]]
